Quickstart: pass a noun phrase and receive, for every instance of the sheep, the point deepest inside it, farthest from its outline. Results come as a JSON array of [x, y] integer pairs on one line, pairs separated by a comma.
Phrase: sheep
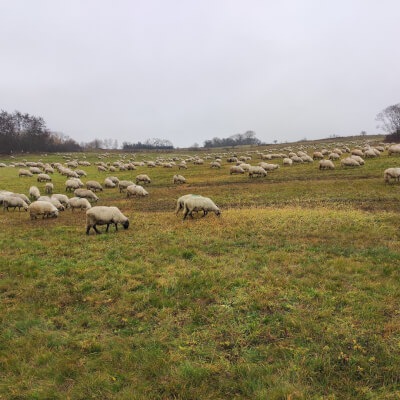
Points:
[[62, 198], [124, 184], [48, 170], [113, 179], [215, 164], [393, 173], [102, 215], [357, 152], [21, 196], [87, 194], [179, 179], [79, 202], [53, 201], [43, 208], [307, 158], [35, 170], [108, 183], [14, 202], [48, 188], [287, 161], [143, 178], [349, 162], [72, 184], [94, 185], [100, 168], [235, 169], [326, 164], [268, 167], [24, 172], [257, 171], [182, 165], [296, 159], [199, 203], [34, 192], [358, 159], [43, 177], [81, 172], [334, 156], [151, 164], [317, 155], [136, 190], [244, 166], [181, 201], [2, 165]]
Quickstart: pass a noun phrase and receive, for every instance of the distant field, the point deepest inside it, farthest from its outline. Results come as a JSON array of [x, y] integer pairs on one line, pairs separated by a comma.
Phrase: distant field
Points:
[[293, 293]]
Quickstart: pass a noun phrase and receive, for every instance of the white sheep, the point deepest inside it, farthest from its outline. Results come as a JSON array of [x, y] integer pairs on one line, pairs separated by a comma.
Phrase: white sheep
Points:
[[235, 169], [334, 156], [199, 203], [102, 215], [43, 208], [72, 184], [49, 187], [113, 179], [287, 161], [87, 194], [34, 192], [358, 159], [14, 202], [62, 198], [268, 167], [53, 201], [79, 202], [349, 162], [136, 190], [43, 177], [257, 171], [393, 173], [326, 164], [109, 184], [94, 185], [215, 164], [143, 178], [124, 184], [181, 202], [317, 155], [24, 172], [179, 179]]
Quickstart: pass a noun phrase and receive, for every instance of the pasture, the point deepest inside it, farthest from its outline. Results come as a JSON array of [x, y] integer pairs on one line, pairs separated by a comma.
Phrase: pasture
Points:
[[293, 293]]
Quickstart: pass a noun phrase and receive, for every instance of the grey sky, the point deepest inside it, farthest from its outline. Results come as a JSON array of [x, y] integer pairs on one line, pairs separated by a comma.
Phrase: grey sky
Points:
[[191, 70]]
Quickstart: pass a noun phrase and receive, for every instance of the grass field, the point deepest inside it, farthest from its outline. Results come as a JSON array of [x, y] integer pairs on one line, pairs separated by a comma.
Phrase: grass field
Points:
[[293, 293]]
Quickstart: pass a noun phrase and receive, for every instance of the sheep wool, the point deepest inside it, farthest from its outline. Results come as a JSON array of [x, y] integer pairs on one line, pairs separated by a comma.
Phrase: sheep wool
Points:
[[102, 215], [199, 203]]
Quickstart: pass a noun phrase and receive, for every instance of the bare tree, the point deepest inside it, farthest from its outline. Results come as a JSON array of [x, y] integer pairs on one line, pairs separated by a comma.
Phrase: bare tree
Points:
[[390, 119]]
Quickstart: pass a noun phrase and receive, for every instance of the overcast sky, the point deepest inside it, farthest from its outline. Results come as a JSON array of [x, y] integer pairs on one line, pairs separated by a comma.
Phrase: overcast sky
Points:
[[191, 70]]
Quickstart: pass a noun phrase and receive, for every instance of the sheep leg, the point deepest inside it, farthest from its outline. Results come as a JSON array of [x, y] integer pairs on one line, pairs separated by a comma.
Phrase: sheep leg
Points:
[[87, 230], [96, 230], [185, 214], [205, 213], [116, 226], [108, 225]]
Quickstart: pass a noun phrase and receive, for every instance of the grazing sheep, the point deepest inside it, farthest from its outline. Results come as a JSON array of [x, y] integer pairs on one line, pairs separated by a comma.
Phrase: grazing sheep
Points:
[[287, 161], [34, 192], [35, 170], [151, 164], [113, 179], [94, 185], [199, 203], [53, 201], [43, 177], [268, 167], [108, 183], [358, 152], [179, 179], [43, 208], [87, 194], [143, 178], [72, 184], [182, 165], [79, 202], [81, 172], [136, 190], [257, 171], [296, 159], [102, 215], [334, 156], [49, 187], [393, 173], [21, 196], [14, 202], [235, 169], [394, 149], [307, 158], [62, 198], [244, 166], [24, 172], [358, 159], [326, 164], [181, 201], [349, 162], [124, 184], [215, 164], [101, 168], [317, 155]]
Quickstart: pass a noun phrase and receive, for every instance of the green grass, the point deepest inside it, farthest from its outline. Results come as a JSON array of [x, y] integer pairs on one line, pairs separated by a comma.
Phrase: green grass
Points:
[[293, 293]]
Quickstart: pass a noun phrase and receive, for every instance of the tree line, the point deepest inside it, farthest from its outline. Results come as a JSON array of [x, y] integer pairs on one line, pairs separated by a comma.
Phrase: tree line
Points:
[[240, 139]]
